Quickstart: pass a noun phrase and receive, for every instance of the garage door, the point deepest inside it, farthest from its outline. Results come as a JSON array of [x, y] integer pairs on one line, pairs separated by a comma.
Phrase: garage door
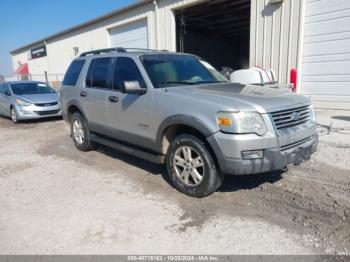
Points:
[[326, 56], [132, 35]]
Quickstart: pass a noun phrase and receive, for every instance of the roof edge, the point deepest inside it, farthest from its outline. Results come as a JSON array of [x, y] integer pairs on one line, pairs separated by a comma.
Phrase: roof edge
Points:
[[79, 26]]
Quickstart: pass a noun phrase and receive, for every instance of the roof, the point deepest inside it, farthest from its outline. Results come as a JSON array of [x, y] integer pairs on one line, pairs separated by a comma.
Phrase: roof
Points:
[[23, 82], [79, 26]]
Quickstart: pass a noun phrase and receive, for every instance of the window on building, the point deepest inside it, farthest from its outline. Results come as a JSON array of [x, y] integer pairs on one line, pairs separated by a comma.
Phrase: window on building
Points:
[[98, 74], [126, 70], [73, 73]]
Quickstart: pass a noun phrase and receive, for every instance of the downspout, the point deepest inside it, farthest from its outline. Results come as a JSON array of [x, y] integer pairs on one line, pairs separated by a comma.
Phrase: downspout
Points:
[[301, 45], [156, 8]]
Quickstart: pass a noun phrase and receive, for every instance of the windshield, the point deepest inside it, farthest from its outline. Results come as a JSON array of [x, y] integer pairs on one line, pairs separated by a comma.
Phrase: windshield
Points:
[[173, 70], [31, 89]]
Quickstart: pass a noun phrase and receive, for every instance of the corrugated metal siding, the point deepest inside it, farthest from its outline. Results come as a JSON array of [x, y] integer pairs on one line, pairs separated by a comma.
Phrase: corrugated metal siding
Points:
[[275, 35], [166, 24], [326, 56]]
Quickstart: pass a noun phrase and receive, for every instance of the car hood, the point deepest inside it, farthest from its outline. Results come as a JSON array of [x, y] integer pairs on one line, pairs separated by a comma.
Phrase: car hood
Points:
[[244, 98], [41, 98]]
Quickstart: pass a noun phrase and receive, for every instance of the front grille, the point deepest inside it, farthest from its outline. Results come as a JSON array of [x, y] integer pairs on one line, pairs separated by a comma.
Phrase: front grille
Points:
[[47, 104], [47, 113], [295, 144], [291, 117]]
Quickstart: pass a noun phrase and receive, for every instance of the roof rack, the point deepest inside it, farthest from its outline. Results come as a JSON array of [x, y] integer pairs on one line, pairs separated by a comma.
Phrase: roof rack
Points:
[[100, 51], [120, 50]]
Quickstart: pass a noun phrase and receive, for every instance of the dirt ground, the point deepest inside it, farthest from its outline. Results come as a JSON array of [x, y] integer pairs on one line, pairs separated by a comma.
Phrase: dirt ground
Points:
[[56, 200]]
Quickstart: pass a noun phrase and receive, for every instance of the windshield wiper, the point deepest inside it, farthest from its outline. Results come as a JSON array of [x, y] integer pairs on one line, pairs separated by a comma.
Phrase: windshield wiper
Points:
[[208, 82], [177, 83]]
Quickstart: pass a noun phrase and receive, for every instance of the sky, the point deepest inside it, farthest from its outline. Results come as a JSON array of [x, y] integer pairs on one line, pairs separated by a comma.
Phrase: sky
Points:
[[23, 21]]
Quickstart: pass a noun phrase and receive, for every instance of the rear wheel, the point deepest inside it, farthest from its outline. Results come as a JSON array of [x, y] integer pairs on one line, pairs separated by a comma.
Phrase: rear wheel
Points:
[[14, 116], [80, 133], [192, 168]]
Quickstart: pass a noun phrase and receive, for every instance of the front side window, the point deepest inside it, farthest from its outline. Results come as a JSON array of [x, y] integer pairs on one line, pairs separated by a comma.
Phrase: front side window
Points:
[[98, 73], [73, 72], [177, 70], [126, 70], [31, 89]]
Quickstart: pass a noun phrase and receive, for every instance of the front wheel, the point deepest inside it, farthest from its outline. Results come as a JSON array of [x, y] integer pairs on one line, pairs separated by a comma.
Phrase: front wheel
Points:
[[80, 133], [192, 168], [14, 116]]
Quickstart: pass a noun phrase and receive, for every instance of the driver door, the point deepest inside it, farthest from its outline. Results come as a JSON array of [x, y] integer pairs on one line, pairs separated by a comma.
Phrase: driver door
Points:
[[129, 114], [4, 100]]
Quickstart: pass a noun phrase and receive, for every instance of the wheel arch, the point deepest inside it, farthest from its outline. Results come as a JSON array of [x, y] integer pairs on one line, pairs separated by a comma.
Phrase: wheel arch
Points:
[[73, 107], [180, 124]]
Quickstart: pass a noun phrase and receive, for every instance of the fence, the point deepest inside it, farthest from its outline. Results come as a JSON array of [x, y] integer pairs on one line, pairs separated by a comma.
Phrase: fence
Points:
[[54, 80]]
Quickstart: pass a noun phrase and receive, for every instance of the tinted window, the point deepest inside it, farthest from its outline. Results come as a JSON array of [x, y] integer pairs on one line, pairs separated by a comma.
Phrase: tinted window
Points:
[[31, 89], [126, 70], [73, 73], [98, 74], [1, 88], [178, 70]]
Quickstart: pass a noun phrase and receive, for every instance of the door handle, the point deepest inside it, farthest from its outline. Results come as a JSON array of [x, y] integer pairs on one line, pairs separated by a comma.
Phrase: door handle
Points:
[[113, 99], [83, 93]]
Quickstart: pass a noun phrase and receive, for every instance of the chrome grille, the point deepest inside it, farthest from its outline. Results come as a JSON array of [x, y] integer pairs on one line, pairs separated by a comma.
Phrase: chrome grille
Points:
[[47, 113], [291, 117], [47, 104]]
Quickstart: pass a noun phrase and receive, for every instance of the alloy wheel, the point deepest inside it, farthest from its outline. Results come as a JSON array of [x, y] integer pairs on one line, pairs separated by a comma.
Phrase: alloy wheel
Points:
[[78, 131], [189, 166]]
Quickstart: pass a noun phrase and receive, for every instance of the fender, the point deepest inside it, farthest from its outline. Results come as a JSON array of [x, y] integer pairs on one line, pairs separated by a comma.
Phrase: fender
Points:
[[76, 103], [186, 120]]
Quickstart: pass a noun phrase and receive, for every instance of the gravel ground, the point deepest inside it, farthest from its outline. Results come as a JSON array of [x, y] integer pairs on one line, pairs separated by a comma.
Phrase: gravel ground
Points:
[[56, 200]]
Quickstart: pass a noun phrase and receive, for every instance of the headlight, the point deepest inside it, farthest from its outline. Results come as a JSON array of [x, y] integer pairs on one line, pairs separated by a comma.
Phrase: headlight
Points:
[[312, 113], [241, 123], [22, 102]]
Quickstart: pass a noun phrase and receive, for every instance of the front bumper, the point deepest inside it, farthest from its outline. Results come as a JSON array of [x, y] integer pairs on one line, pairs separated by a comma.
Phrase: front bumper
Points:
[[275, 158], [37, 112]]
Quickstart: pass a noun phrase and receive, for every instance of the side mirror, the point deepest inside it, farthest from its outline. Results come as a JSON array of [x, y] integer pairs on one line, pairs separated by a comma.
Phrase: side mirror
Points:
[[133, 87], [8, 93]]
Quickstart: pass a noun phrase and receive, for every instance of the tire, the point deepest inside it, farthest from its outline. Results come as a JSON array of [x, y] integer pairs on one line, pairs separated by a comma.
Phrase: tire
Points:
[[80, 133], [187, 158], [14, 115]]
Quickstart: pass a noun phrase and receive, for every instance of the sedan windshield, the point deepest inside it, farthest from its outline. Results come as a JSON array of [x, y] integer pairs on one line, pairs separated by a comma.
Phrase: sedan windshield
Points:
[[31, 89], [178, 70]]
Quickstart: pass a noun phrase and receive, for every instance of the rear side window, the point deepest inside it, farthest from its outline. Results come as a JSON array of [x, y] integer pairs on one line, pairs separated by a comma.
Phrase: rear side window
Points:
[[73, 72], [126, 70], [99, 72]]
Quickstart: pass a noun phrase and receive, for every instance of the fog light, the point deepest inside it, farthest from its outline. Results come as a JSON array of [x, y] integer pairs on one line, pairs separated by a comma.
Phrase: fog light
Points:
[[249, 155]]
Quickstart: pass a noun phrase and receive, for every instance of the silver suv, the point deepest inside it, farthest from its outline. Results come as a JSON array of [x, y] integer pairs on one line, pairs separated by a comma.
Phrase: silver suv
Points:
[[177, 109]]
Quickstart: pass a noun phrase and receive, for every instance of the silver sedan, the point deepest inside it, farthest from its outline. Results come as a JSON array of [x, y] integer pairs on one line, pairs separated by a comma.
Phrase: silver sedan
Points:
[[24, 100]]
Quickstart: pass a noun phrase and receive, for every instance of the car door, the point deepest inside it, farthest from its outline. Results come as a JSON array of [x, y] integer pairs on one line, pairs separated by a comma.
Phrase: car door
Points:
[[93, 93], [4, 100], [129, 114]]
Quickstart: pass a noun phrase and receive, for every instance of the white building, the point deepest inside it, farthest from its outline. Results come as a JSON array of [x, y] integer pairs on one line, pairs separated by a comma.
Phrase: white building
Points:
[[310, 35]]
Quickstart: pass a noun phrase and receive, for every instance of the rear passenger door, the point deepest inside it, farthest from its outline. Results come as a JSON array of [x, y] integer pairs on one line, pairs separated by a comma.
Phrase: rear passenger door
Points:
[[93, 93]]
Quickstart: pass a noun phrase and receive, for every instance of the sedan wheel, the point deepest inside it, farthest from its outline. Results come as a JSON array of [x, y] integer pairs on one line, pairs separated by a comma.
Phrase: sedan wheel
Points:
[[14, 116]]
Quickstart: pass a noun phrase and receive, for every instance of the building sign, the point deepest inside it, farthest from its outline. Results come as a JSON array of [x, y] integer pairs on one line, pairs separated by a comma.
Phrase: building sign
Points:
[[38, 52]]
